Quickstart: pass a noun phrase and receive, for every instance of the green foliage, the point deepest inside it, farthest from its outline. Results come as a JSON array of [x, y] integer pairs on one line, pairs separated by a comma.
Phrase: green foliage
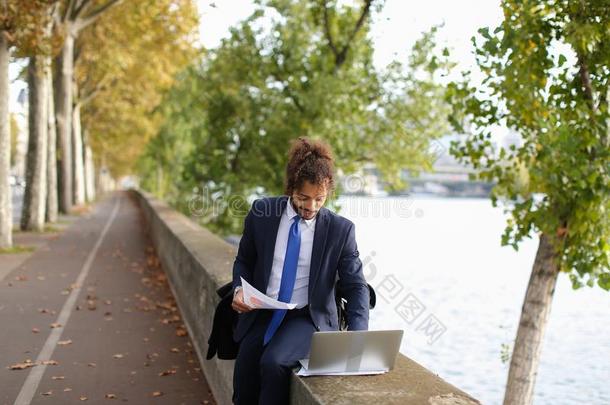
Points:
[[547, 71], [292, 69]]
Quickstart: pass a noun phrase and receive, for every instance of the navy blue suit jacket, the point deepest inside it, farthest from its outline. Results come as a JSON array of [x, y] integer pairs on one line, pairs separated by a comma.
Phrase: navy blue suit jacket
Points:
[[334, 254]]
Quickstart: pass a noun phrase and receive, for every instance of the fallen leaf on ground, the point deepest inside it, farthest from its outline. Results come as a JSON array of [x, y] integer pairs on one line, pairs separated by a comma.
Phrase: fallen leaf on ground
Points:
[[58, 377], [167, 372], [67, 389], [64, 342], [157, 394], [21, 278], [35, 330], [23, 366], [92, 365], [110, 396], [173, 319], [181, 332], [118, 356], [46, 394], [174, 350], [83, 398], [55, 325], [49, 362]]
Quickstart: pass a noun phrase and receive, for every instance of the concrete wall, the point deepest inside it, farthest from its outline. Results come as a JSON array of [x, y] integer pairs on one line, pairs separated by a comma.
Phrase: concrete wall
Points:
[[197, 263]]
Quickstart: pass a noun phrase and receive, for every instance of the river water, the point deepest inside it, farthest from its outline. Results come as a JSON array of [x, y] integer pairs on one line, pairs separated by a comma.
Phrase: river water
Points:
[[442, 276]]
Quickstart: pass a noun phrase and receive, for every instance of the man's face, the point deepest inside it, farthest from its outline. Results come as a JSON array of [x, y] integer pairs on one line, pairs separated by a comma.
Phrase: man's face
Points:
[[309, 199]]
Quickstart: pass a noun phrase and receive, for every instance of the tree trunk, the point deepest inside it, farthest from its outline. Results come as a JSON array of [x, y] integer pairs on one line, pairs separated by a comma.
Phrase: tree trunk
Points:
[[6, 210], [78, 166], [532, 325], [35, 196], [63, 114], [89, 170], [52, 207]]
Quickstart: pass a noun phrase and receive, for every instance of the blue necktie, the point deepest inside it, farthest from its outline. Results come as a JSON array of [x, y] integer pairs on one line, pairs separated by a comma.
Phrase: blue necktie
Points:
[[289, 275]]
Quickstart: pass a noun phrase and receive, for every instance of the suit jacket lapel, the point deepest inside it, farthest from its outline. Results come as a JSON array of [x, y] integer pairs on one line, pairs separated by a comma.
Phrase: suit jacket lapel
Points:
[[319, 243], [277, 210]]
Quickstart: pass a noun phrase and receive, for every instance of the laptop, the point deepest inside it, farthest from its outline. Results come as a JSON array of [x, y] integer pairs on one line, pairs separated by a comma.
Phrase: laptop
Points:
[[358, 352]]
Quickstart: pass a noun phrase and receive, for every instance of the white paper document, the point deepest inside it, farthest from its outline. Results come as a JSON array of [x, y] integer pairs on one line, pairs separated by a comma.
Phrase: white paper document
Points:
[[304, 372], [256, 299]]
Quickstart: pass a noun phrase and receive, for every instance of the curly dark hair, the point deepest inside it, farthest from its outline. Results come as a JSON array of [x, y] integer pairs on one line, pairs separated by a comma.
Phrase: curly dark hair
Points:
[[310, 160]]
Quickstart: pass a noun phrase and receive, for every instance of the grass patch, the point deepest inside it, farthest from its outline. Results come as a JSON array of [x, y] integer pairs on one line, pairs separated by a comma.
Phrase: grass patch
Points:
[[17, 249], [47, 229]]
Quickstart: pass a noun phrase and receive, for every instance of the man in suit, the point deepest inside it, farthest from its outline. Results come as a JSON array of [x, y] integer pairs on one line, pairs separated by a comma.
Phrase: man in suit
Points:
[[294, 250]]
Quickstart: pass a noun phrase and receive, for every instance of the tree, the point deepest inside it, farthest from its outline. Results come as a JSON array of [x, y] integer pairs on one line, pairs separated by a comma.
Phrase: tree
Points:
[[309, 72], [547, 71], [6, 214], [127, 60], [21, 26], [34, 198], [74, 17], [52, 203]]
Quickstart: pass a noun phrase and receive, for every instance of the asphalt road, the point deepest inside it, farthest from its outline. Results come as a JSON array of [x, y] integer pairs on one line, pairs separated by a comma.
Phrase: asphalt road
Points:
[[92, 309]]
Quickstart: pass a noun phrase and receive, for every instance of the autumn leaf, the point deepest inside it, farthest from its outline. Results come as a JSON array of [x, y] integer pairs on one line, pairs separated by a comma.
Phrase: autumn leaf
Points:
[[167, 372], [157, 394], [64, 342], [55, 325], [23, 366]]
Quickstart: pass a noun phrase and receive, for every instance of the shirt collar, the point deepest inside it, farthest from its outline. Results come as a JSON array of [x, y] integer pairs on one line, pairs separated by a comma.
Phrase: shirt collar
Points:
[[291, 213]]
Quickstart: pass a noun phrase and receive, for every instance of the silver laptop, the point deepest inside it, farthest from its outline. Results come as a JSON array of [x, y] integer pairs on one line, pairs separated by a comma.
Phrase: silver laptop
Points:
[[352, 352]]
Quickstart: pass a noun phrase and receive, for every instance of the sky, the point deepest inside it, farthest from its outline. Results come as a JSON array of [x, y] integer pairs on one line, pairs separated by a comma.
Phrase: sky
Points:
[[394, 30]]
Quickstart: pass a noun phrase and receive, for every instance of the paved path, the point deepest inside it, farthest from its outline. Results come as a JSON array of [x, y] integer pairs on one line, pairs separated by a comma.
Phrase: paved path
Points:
[[93, 304]]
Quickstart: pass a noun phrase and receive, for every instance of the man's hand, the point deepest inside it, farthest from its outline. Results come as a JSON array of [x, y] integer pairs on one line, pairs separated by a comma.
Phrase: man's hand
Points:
[[238, 303]]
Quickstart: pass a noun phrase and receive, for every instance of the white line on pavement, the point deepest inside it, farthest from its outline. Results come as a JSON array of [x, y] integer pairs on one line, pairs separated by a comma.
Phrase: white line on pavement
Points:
[[31, 383]]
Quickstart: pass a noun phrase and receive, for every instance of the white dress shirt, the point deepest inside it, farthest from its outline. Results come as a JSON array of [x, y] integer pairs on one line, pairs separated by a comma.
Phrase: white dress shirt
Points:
[[307, 228]]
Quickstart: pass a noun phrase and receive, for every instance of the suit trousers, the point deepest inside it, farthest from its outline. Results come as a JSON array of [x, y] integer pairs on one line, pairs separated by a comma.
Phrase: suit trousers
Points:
[[262, 374]]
